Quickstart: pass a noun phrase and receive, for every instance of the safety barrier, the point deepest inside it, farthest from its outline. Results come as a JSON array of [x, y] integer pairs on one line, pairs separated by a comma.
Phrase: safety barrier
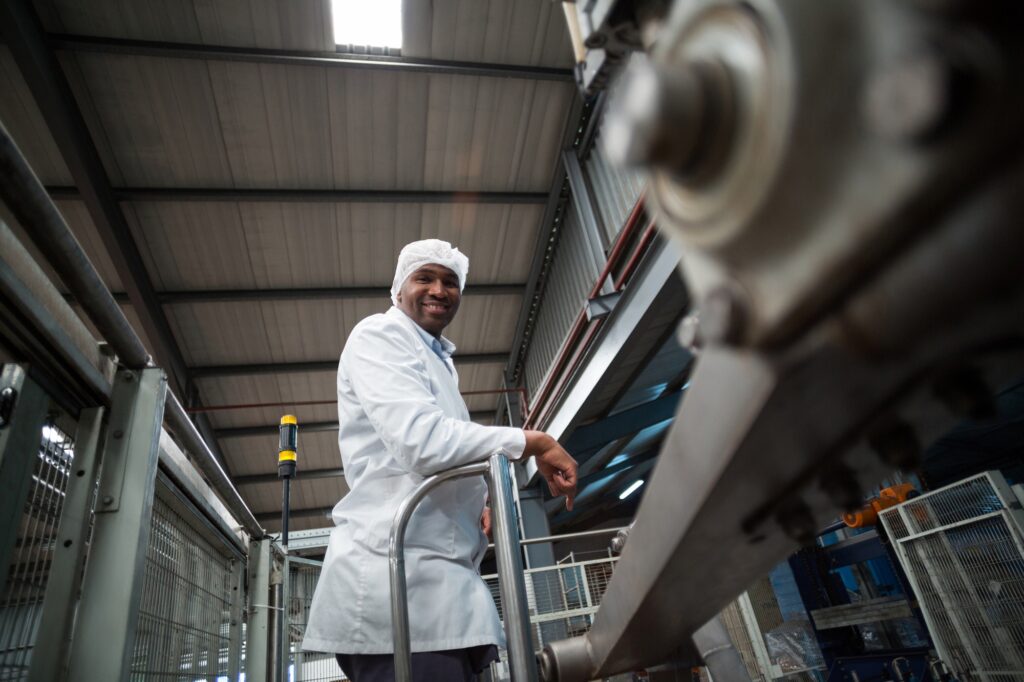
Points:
[[507, 552], [962, 548]]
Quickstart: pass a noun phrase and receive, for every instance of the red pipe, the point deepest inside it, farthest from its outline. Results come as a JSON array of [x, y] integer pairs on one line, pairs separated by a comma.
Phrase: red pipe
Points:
[[632, 220], [638, 253]]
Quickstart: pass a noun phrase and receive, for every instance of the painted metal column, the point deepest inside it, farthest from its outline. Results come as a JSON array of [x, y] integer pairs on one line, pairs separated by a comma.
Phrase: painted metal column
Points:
[[23, 407], [521, 658], [109, 611], [258, 632], [68, 553]]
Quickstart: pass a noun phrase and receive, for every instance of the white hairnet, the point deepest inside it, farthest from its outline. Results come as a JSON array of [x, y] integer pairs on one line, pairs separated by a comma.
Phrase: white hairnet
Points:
[[424, 252]]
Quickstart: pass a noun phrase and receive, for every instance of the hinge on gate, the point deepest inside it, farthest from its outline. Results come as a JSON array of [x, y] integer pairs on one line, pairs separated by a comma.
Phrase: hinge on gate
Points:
[[8, 397]]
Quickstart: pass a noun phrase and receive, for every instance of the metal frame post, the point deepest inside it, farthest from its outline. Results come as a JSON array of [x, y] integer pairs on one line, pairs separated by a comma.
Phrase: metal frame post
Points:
[[21, 431], [512, 583], [509, 559], [257, 634], [109, 611], [69, 553], [237, 615]]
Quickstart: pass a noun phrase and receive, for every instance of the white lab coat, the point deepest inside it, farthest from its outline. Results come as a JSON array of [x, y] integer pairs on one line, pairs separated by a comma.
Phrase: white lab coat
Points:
[[402, 419]]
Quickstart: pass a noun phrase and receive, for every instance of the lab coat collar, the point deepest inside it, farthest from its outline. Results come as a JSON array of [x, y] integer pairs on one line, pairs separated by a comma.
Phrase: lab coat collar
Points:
[[447, 347]]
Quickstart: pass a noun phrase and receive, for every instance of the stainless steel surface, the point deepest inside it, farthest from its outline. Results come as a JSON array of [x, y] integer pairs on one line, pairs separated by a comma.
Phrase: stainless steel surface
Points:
[[571, 536], [396, 563], [509, 558], [720, 656], [854, 200]]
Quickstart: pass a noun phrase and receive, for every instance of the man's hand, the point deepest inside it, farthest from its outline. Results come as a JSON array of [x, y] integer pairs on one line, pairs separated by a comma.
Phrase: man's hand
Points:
[[555, 464], [485, 522]]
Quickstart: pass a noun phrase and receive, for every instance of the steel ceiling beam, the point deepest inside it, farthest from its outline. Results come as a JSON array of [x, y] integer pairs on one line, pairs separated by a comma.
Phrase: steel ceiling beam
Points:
[[213, 371], [307, 196], [315, 512], [253, 479], [151, 48], [298, 294], [314, 293], [35, 58], [310, 427]]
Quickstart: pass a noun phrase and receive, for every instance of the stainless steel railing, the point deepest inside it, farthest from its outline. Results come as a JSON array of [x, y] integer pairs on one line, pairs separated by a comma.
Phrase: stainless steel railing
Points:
[[510, 567]]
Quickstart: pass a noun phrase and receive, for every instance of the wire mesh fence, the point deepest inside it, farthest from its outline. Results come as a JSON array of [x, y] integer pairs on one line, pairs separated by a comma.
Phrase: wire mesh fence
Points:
[[184, 629], [963, 551], [21, 603], [562, 598], [306, 666]]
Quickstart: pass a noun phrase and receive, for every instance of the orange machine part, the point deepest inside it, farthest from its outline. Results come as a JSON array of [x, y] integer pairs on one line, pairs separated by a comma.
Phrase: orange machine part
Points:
[[887, 497]]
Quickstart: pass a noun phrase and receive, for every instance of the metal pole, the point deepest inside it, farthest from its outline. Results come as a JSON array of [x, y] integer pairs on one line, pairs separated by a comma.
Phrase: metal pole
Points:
[[510, 571], [285, 508], [396, 560]]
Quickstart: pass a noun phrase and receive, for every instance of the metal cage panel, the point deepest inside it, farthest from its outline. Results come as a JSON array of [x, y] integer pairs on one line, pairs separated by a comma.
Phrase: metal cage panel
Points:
[[28, 574], [184, 630], [963, 550], [307, 666]]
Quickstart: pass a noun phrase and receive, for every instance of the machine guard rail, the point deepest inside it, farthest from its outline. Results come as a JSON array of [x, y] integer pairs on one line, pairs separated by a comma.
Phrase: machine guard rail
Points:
[[510, 567]]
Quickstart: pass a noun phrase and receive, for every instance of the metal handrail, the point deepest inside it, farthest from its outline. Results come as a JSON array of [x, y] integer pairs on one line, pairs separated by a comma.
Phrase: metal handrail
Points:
[[510, 567], [29, 202]]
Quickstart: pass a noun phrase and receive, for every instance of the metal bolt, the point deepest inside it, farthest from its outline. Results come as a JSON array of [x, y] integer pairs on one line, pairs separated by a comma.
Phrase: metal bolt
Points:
[[107, 500], [897, 446], [722, 317], [658, 116], [796, 521], [118, 434], [910, 100], [129, 376], [839, 482]]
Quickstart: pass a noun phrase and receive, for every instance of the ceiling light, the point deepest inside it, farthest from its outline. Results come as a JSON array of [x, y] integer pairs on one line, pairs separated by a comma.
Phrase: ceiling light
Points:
[[631, 489], [373, 24]]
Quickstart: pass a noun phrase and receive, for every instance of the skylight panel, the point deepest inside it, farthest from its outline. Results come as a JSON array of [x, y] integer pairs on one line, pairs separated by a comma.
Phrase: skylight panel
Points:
[[374, 24]]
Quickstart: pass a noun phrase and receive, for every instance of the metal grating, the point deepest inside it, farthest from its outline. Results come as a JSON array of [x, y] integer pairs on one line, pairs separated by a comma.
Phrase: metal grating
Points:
[[962, 548], [184, 628], [22, 601], [562, 599], [306, 666]]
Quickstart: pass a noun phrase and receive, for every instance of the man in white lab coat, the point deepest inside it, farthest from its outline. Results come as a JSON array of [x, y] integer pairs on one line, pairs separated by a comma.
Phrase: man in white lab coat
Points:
[[402, 419]]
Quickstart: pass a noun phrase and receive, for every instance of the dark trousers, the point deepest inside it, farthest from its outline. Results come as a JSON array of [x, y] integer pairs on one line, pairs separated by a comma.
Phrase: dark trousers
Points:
[[457, 665]]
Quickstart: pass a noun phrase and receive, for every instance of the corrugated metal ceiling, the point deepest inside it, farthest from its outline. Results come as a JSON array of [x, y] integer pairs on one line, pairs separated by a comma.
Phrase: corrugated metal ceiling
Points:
[[206, 123]]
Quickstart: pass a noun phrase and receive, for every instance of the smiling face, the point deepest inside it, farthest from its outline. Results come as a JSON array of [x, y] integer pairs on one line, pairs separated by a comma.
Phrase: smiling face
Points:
[[431, 297]]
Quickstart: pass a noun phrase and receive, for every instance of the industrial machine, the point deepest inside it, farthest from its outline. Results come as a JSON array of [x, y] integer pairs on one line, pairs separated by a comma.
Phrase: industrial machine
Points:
[[843, 181]]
